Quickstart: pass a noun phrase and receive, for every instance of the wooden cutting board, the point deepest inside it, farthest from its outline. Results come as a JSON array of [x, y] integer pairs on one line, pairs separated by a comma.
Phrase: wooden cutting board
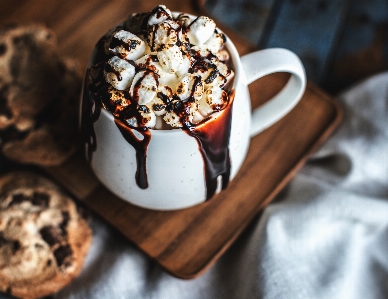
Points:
[[185, 242]]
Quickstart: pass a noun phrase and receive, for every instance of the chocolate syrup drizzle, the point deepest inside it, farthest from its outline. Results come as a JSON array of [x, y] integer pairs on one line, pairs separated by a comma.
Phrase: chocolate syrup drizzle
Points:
[[140, 147], [212, 134], [213, 141]]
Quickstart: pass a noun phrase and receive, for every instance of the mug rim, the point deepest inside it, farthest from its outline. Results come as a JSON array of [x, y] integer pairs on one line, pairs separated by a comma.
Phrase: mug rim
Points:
[[235, 59]]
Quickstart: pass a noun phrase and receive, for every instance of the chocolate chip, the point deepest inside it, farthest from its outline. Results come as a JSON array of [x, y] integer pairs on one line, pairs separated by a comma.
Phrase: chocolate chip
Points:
[[48, 263], [65, 221], [40, 199], [2, 240], [18, 199], [63, 255], [15, 246], [4, 108], [11, 133], [37, 245], [50, 235], [3, 49]]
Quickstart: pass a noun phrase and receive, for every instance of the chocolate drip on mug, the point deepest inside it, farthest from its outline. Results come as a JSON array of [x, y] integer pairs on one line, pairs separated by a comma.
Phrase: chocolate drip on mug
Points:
[[140, 147], [213, 140], [91, 111]]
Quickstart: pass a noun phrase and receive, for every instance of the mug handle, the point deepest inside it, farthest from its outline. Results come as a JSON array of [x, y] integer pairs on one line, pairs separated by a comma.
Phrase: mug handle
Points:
[[264, 62]]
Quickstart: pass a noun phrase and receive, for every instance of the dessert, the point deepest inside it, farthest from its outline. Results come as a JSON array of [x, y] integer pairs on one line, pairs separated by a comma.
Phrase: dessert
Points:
[[39, 96], [163, 71], [43, 238]]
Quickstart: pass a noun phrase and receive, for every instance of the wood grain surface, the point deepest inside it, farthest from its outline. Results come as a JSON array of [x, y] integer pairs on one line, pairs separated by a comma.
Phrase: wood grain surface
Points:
[[185, 242]]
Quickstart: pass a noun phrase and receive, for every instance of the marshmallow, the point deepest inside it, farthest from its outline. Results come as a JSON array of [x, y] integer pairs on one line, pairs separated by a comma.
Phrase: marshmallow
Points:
[[170, 80], [163, 36], [150, 62], [147, 49], [118, 98], [200, 30], [216, 99], [157, 106], [222, 55], [159, 103], [165, 93], [184, 20], [215, 42], [148, 117], [209, 73], [186, 65], [173, 117], [126, 45], [144, 87], [159, 14], [190, 88], [119, 73], [171, 59]]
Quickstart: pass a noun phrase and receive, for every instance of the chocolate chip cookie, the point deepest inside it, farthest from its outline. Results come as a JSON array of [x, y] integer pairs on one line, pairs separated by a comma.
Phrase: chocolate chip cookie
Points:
[[39, 97], [43, 239]]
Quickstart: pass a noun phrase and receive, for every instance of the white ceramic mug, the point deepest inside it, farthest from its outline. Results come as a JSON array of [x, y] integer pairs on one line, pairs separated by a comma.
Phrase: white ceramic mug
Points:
[[174, 164]]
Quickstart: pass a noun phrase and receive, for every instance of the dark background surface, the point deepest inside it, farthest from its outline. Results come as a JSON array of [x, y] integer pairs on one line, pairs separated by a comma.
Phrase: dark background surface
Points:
[[339, 41]]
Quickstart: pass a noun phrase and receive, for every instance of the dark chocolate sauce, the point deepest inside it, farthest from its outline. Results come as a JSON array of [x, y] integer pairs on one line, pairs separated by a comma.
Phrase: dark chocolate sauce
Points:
[[110, 69], [91, 111], [140, 147], [116, 42], [213, 136]]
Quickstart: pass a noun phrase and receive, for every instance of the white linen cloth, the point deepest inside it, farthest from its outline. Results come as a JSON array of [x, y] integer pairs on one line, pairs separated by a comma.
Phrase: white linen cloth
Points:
[[325, 236]]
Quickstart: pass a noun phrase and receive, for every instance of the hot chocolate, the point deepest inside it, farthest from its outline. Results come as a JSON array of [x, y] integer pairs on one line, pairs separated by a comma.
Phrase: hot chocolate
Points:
[[159, 71]]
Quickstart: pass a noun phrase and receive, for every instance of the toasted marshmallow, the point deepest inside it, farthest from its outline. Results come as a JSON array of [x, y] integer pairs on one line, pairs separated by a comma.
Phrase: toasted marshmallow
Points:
[[200, 30], [144, 87], [150, 62], [118, 99], [126, 45], [172, 119], [171, 59], [165, 93], [163, 36], [148, 117], [170, 80], [222, 55], [215, 42], [184, 20], [190, 88], [214, 99], [201, 52], [119, 73], [186, 65], [159, 14], [147, 49], [209, 73], [157, 106], [222, 67]]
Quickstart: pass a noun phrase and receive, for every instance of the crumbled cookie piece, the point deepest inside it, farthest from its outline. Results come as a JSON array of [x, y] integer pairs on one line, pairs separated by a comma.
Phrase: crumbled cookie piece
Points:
[[39, 97], [43, 239]]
